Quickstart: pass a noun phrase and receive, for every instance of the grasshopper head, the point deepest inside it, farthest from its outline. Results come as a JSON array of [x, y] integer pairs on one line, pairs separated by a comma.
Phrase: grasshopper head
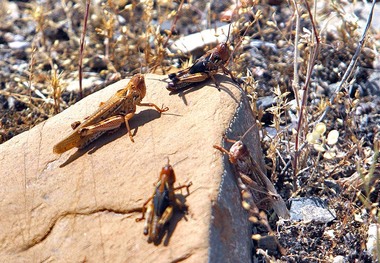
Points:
[[223, 50], [137, 83], [167, 176], [238, 150]]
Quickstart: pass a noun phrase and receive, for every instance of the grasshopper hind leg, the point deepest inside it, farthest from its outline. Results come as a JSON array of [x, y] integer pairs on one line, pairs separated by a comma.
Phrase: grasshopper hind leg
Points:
[[148, 219]]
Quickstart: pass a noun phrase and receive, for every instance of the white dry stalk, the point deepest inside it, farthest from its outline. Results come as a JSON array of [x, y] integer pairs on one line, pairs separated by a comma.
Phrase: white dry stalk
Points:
[[296, 84]]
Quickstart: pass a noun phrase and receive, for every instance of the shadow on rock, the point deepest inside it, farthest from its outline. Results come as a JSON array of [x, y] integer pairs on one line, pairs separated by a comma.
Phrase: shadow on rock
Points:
[[169, 228], [138, 120]]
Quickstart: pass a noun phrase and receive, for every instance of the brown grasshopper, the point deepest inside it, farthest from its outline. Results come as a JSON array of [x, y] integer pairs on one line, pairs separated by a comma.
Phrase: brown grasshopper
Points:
[[203, 68], [120, 108], [252, 179], [158, 209]]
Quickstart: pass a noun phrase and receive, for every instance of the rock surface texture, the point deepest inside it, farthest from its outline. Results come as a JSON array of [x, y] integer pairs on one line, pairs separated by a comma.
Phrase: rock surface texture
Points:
[[81, 206]]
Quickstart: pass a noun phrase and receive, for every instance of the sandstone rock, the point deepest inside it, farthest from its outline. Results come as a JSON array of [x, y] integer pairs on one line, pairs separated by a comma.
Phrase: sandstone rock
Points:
[[81, 205]]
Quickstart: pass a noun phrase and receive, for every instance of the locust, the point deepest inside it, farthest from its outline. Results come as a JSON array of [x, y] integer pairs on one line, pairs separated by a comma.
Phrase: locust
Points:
[[159, 208], [252, 181], [203, 68], [119, 109]]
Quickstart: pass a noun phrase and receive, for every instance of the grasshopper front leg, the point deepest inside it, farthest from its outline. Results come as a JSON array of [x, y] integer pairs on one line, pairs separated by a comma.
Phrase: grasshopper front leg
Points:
[[160, 110], [227, 72], [214, 80], [230, 156]]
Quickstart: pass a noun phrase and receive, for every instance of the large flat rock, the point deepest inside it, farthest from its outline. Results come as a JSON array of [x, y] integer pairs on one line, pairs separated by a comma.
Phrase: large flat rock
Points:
[[81, 206]]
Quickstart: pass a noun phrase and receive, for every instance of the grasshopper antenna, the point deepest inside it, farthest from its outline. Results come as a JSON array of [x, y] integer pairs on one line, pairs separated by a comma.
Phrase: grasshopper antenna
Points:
[[229, 30], [242, 137], [177, 161]]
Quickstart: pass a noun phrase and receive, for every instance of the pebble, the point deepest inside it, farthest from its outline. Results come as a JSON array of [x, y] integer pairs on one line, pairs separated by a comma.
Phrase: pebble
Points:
[[10, 37], [372, 239], [97, 63], [13, 12], [308, 209], [18, 44], [88, 82], [339, 259], [266, 102], [261, 44]]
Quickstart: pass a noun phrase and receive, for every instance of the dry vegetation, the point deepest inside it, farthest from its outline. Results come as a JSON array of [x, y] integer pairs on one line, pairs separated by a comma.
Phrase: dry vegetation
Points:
[[281, 51]]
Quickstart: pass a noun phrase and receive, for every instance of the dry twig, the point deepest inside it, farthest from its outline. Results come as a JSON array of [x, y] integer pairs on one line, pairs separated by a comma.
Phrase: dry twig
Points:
[[82, 48]]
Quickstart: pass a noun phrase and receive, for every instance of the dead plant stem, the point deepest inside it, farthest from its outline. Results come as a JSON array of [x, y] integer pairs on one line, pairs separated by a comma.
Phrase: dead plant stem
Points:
[[172, 28], [296, 84], [82, 48], [313, 56]]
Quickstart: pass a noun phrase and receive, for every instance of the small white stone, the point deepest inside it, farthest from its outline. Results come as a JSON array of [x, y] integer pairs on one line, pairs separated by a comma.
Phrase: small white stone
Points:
[[339, 259], [372, 239]]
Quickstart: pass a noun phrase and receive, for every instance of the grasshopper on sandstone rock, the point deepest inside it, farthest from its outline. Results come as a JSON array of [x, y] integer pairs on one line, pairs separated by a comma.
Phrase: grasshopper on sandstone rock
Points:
[[120, 108], [251, 178], [205, 67], [158, 209]]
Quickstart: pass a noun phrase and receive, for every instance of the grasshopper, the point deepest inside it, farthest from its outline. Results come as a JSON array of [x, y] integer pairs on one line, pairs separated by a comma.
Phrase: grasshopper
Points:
[[203, 68], [158, 209], [120, 108], [251, 179]]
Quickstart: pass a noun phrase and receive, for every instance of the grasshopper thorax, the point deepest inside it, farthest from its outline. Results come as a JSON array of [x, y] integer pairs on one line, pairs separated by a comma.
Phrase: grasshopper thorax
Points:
[[223, 51], [167, 176]]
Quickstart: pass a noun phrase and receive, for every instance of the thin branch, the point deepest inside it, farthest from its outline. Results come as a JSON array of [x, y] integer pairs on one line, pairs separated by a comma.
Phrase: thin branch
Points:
[[296, 84], [82, 48], [172, 28]]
